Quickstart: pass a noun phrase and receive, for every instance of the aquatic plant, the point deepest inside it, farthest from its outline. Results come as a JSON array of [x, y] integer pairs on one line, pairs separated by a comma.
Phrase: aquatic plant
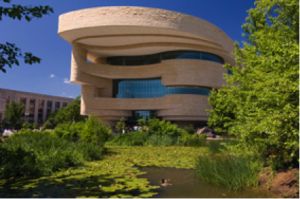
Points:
[[233, 171]]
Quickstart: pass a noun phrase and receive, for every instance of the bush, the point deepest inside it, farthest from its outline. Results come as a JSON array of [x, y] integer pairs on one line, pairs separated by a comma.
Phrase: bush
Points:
[[216, 146], [129, 139], [27, 125], [162, 127], [190, 129], [34, 154], [69, 131], [95, 132], [232, 171]]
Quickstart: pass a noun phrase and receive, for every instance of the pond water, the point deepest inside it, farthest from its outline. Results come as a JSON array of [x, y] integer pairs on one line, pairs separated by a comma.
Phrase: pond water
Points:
[[186, 185]]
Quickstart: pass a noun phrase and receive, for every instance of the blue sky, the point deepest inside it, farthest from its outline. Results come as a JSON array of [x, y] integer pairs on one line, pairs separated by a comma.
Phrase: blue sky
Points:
[[40, 37]]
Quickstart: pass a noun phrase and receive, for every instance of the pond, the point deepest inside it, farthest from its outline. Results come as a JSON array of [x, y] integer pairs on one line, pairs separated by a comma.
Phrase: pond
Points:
[[185, 185]]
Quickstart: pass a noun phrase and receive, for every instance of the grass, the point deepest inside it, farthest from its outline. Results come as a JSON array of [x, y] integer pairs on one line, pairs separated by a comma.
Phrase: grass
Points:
[[232, 171]]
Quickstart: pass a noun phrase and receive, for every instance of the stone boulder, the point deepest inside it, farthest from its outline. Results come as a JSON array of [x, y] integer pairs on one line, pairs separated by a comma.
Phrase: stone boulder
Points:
[[207, 131]]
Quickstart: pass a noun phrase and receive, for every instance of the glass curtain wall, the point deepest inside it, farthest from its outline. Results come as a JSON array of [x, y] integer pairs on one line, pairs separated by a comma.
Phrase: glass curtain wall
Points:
[[151, 88], [157, 58]]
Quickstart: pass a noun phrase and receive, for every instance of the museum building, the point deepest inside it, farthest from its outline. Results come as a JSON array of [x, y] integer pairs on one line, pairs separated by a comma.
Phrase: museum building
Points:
[[137, 62]]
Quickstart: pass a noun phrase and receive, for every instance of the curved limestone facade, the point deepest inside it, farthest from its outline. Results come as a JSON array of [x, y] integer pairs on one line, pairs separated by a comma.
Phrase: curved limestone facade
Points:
[[136, 60]]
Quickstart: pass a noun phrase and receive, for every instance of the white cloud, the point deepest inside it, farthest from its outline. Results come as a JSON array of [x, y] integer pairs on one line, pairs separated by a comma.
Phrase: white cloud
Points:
[[71, 96], [66, 81], [63, 93], [52, 75]]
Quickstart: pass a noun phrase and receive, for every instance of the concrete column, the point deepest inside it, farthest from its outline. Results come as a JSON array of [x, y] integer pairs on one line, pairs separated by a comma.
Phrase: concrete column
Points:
[[36, 110], [45, 111]]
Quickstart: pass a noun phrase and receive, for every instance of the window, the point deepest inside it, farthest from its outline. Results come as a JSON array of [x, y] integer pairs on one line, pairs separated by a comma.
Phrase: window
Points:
[[40, 111], [23, 100], [151, 88], [57, 105], [157, 58], [7, 100], [49, 107], [31, 110], [65, 104]]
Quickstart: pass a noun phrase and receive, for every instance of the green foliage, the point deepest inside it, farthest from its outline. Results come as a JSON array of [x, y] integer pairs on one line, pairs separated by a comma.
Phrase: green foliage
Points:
[[260, 103], [129, 139], [14, 112], [121, 125], [70, 113], [192, 140], [232, 171], [34, 154], [95, 132], [27, 125], [162, 127], [69, 132], [190, 129], [47, 125], [9, 53], [161, 140], [216, 146]]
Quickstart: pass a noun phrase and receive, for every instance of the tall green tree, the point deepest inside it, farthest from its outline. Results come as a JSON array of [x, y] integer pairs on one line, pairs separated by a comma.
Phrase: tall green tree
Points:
[[9, 52], [260, 103], [70, 113], [14, 112]]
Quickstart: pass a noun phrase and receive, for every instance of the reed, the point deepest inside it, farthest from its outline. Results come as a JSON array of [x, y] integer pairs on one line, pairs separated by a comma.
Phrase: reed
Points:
[[232, 171]]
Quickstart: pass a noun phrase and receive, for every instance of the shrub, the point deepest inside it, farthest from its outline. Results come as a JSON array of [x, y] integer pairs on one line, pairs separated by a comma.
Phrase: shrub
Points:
[[129, 139], [69, 131], [95, 132], [190, 129], [33, 154], [232, 171], [162, 127], [216, 146]]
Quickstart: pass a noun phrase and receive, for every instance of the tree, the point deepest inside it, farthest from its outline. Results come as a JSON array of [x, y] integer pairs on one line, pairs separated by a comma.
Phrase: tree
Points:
[[260, 103], [70, 113], [9, 52], [14, 112]]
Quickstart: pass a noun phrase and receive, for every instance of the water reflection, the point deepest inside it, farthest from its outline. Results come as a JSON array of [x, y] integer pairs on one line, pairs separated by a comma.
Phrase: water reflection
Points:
[[185, 185]]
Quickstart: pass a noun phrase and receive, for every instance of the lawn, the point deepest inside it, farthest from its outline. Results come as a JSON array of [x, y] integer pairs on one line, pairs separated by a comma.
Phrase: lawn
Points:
[[114, 176]]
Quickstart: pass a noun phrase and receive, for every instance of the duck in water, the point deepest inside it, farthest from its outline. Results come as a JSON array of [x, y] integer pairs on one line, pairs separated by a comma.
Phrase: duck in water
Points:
[[165, 182]]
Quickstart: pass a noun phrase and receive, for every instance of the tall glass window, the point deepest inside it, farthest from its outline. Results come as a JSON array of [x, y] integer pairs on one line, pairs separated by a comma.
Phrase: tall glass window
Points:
[[7, 100], [40, 111], [64, 104], [157, 58], [49, 107], [151, 88], [31, 110], [57, 105], [23, 100]]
